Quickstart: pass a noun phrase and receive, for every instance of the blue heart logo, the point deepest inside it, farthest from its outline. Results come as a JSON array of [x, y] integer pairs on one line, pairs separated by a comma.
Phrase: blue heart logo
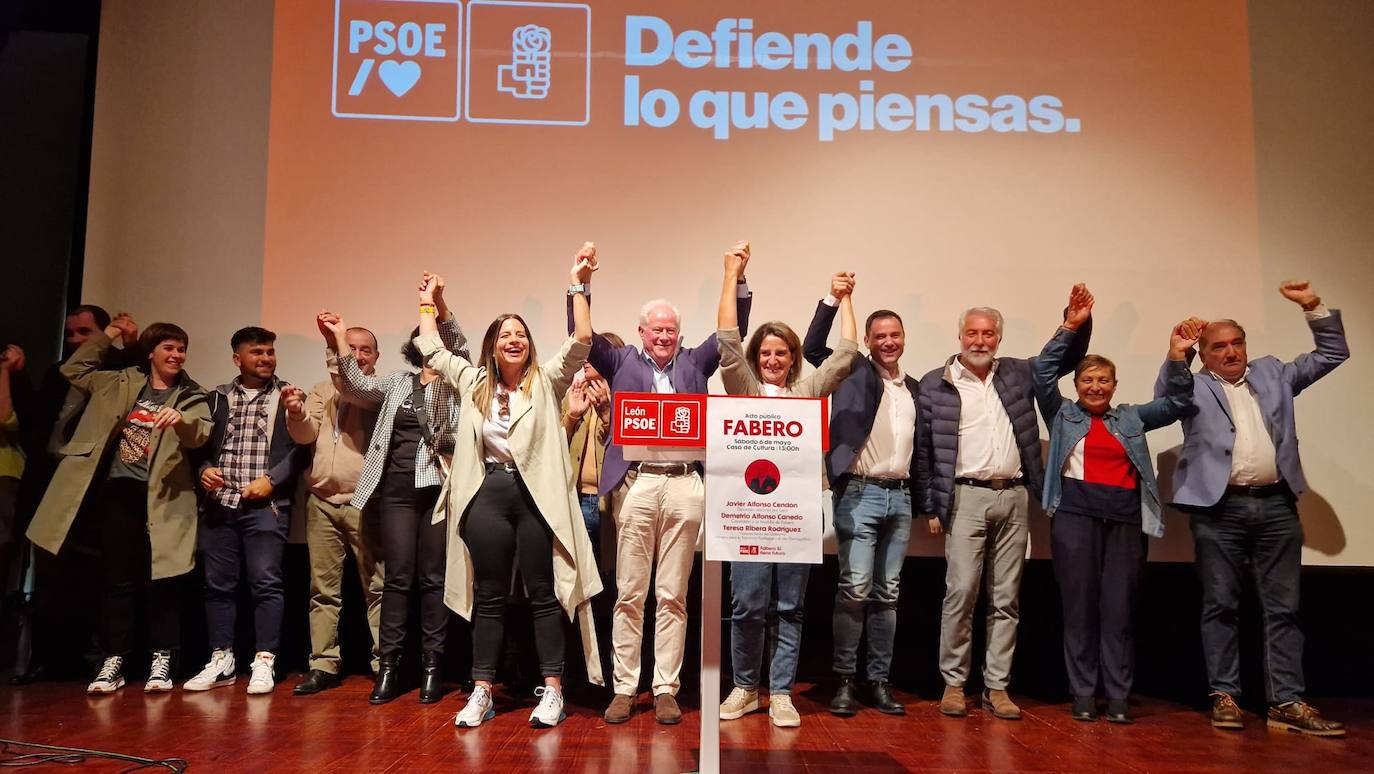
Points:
[[399, 77]]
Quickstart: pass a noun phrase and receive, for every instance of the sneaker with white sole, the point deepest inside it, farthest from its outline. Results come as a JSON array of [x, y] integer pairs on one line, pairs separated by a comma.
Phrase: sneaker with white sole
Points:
[[110, 678], [263, 679], [219, 672], [160, 673], [477, 710], [739, 703], [782, 712], [549, 713]]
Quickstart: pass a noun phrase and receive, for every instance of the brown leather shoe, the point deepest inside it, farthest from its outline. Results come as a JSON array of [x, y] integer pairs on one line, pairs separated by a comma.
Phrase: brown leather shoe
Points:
[[666, 710], [620, 708], [1225, 713], [1302, 718], [1001, 705], [953, 703]]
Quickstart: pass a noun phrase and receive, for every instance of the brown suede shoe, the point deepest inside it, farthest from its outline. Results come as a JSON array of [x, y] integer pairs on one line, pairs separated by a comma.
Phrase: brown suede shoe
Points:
[[666, 710], [1302, 718], [1225, 713], [953, 703], [1001, 705], [620, 708]]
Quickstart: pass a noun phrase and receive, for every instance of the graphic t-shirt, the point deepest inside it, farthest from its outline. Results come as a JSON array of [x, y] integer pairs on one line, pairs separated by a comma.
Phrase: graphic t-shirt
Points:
[[134, 448]]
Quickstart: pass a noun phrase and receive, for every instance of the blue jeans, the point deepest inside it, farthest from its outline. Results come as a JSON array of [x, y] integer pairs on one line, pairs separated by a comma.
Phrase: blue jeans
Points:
[[751, 590], [254, 536], [591, 516], [1261, 535], [873, 525]]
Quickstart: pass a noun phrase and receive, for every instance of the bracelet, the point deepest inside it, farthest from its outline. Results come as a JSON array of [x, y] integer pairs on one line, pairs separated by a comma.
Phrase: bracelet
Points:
[[428, 309]]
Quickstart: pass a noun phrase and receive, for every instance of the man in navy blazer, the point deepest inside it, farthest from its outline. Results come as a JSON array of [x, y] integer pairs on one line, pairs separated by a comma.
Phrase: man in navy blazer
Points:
[[1239, 477], [658, 503], [871, 467]]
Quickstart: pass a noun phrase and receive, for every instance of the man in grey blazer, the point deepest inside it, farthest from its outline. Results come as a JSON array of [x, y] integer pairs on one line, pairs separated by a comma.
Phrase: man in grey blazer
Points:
[[1239, 477]]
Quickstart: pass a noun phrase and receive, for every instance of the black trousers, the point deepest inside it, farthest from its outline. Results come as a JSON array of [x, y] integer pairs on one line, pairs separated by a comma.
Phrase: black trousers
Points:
[[1098, 564], [502, 525], [127, 575], [413, 552]]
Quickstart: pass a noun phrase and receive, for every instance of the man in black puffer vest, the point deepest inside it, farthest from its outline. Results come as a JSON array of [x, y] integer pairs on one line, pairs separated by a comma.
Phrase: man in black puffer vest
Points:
[[977, 464]]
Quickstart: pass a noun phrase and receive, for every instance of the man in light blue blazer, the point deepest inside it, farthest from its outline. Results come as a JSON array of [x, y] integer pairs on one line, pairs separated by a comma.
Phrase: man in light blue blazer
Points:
[[1239, 477]]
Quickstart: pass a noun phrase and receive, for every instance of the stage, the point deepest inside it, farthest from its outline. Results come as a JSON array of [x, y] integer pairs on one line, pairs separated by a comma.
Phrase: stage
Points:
[[225, 731]]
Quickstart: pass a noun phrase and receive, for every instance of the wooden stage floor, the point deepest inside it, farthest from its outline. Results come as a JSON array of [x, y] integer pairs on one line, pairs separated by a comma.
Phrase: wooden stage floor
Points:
[[226, 731]]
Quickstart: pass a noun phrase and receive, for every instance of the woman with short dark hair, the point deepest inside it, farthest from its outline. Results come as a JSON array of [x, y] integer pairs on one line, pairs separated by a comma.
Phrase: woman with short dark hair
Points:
[[132, 444], [1101, 493]]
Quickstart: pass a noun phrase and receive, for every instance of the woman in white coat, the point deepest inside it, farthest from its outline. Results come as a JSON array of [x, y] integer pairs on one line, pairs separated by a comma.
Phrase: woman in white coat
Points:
[[511, 497]]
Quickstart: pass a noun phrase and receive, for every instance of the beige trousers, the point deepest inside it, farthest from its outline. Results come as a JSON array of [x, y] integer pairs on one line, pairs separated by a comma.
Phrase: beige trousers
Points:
[[330, 530], [657, 519], [985, 545]]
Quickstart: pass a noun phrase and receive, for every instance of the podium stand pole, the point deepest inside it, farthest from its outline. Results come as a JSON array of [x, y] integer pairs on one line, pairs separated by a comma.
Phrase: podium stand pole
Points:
[[708, 759]]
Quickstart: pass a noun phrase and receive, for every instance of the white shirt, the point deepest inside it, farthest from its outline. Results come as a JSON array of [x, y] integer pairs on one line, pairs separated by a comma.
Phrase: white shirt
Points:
[[1253, 458], [987, 442], [496, 434], [887, 452]]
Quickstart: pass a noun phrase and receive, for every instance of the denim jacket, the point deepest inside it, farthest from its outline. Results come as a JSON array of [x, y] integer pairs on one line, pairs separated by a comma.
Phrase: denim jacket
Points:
[[1069, 424]]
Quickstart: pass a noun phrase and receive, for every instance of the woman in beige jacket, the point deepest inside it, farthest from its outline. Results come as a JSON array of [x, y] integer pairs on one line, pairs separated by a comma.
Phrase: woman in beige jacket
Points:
[[772, 368], [131, 446], [511, 498]]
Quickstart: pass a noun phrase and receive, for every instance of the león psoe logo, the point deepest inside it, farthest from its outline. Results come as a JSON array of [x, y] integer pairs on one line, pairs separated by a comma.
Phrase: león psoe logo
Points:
[[528, 76]]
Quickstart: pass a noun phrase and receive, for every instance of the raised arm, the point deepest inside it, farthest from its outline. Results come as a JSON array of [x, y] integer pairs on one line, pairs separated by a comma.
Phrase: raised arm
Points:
[[1328, 332], [566, 364], [1177, 400], [814, 347], [1053, 360], [11, 360], [82, 369], [836, 366], [456, 368], [352, 381]]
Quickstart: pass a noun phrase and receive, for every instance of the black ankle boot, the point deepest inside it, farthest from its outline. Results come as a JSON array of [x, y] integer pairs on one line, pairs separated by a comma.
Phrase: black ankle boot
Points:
[[845, 703], [388, 685], [883, 700], [431, 677]]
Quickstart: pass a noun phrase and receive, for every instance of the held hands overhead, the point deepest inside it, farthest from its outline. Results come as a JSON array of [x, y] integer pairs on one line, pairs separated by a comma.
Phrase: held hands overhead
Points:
[[584, 263], [123, 327]]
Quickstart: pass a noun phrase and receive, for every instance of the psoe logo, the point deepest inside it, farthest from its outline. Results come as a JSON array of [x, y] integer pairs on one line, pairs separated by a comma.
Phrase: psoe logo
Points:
[[528, 62], [748, 550], [397, 59]]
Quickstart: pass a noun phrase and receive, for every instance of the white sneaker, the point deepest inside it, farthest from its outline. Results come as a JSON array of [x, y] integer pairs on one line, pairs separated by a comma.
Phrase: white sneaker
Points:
[[477, 710], [739, 703], [160, 673], [549, 713], [263, 679], [782, 712], [110, 678], [219, 672]]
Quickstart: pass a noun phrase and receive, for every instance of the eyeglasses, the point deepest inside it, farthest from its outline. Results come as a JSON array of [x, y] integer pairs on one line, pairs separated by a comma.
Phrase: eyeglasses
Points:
[[503, 405]]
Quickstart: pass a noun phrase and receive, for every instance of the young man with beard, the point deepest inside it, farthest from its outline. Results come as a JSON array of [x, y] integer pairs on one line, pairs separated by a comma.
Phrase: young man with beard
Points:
[[249, 477]]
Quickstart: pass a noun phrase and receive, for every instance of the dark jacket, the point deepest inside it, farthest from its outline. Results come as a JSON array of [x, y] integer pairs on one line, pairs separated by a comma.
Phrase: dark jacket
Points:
[[286, 459], [854, 405], [937, 446], [627, 370]]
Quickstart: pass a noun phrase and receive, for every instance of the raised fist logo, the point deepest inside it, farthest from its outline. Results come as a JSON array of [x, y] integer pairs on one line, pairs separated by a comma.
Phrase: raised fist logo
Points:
[[682, 420], [528, 75]]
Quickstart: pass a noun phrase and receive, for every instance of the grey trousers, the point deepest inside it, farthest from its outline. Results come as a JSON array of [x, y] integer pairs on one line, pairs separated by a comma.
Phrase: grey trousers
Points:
[[987, 538]]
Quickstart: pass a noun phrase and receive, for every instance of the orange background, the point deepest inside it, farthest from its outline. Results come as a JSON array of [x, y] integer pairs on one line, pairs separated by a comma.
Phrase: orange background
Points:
[[1159, 182]]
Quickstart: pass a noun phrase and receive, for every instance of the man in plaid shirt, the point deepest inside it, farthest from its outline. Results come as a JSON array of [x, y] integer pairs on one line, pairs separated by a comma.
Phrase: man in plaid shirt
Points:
[[249, 476]]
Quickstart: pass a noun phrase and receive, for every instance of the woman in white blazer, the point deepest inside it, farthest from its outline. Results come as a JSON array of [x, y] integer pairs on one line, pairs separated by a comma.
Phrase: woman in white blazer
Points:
[[511, 496]]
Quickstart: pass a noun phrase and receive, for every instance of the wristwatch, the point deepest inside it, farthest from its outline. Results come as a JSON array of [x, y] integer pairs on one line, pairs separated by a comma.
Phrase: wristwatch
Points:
[[580, 287]]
